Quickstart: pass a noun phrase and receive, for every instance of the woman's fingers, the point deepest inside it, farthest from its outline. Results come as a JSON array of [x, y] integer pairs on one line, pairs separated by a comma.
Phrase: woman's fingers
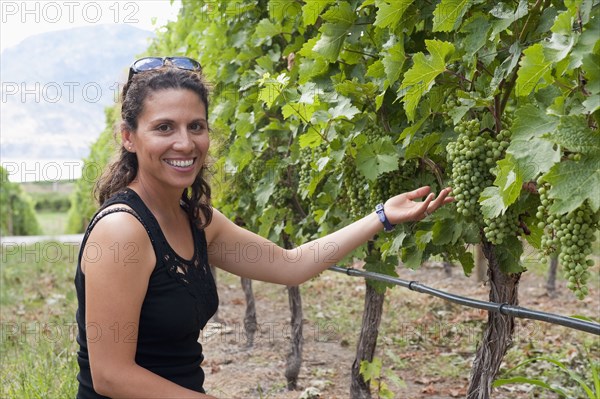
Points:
[[418, 193], [440, 200]]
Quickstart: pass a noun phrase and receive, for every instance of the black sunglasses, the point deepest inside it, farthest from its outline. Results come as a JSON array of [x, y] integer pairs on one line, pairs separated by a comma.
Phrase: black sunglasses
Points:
[[150, 63]]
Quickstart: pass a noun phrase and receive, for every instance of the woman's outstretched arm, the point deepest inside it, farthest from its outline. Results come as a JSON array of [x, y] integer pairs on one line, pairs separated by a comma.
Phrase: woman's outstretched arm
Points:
[[246, 254]]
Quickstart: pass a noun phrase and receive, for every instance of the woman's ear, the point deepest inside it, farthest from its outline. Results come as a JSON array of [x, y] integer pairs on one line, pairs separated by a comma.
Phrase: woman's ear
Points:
[[127, 138]]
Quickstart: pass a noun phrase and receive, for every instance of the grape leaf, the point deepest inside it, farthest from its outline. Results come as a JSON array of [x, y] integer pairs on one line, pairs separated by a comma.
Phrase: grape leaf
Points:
[[419, 79], [464, 257], [534, 68], [333, 33], [376, 70], [397, 242], [507, 16], [266, 221], [531, 121], [574, 134], [393, 61], [390, 12], [509, 180], [418, 148], [408, 133], [509, 255], [446, 231], [264, 189], [592, 104], [558, 47], [533, 157], [312, 9], [370, 370], [477, 29], [534, 238], [573, 183], [422, 238], [563, 24], [448, 14], [376, 264], [376, 158], [311, 139], [265, 30], [241, 152], [314, 181], [301, 110], [412, 257], [343, 109], [491, 202], [587, 41], [591, 66]]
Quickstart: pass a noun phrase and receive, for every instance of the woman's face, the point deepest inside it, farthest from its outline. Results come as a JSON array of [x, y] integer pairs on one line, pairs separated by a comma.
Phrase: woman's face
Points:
[[171, 140]]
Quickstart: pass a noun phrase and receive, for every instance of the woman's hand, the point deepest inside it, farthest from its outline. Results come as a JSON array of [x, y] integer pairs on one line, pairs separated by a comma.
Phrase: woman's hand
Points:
[[403, 208]]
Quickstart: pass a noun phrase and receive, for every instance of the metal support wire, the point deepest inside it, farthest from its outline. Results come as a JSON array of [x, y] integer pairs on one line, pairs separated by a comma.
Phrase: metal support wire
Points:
[[503, 308]]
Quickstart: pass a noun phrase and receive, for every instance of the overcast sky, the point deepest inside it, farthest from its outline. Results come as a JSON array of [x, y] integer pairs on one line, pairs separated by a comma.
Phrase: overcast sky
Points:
[[21, 19]]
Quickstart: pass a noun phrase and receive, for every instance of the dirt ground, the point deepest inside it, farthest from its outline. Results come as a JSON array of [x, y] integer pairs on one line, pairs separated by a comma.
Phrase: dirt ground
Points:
[[426, 342]]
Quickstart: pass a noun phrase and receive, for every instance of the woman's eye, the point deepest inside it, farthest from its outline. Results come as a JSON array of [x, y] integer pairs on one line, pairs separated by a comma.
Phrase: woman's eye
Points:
[[163, 128], [197, 126]]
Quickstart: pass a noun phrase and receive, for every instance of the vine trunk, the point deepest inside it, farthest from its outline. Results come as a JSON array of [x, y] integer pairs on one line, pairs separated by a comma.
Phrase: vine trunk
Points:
[[497, 337], [294, 359], [250, 324], [359, 389]]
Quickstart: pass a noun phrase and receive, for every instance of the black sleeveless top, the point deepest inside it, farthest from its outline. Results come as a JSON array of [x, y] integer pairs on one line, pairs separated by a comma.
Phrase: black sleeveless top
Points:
[[180, 299]]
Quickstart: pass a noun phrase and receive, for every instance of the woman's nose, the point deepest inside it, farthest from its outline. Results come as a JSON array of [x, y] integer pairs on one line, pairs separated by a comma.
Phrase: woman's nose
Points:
[[184, 141]]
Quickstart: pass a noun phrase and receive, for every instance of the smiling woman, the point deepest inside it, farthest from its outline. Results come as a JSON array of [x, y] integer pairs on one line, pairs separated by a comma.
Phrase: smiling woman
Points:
[[144, 285], [171, 141]]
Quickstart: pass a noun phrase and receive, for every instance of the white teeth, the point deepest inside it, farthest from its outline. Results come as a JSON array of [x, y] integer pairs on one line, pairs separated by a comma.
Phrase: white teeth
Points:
[[180, 163]]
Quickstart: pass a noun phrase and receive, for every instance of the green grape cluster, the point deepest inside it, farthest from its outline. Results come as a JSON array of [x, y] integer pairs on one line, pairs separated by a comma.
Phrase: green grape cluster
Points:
[[472, 155], [550, 243], [374, 132], [254, 171], [308, 157], [388, 185], [356, 189], [507, 117], [450, 103], [304, 169], [571, 236], [281, 196], [500, 227]]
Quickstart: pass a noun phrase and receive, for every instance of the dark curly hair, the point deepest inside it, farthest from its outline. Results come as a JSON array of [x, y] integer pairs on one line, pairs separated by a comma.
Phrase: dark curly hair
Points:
[[124, 168]]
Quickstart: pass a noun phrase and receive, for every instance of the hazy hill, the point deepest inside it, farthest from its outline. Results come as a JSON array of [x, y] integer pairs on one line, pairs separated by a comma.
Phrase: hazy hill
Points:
[[55, 87]]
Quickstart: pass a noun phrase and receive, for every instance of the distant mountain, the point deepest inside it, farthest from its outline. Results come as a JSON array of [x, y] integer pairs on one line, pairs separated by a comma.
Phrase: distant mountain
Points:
[[56, 85]]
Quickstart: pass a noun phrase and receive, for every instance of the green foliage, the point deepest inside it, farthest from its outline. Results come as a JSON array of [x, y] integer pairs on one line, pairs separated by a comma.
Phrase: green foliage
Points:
[[83, 204], [37, 308], [372, 374], [51, 202], [299, 89], [588, 383], [17, 215]]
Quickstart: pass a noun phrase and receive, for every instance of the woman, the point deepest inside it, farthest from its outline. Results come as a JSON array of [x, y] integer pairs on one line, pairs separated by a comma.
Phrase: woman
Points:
[[143, 282]]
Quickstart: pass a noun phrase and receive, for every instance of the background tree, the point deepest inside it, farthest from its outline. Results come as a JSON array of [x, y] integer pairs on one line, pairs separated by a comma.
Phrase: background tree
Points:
[[83, 203], [17, 214]]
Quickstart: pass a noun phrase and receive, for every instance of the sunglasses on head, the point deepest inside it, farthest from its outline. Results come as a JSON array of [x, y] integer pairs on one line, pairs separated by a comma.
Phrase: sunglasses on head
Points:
[[150, 63]]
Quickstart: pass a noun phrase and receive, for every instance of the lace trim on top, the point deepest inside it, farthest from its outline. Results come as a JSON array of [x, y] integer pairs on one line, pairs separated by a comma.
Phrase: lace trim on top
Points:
[[194, 274]]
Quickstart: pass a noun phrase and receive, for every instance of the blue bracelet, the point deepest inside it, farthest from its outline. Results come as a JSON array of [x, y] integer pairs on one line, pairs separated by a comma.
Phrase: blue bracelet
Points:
[[387, 226]]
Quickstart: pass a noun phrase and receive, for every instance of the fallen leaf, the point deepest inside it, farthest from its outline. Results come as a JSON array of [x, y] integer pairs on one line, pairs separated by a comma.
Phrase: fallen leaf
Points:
[[458, 393], [429, 389]]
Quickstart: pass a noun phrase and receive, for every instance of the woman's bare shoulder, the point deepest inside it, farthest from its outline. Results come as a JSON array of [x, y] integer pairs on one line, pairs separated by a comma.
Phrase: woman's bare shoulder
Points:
[[119, 237]]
